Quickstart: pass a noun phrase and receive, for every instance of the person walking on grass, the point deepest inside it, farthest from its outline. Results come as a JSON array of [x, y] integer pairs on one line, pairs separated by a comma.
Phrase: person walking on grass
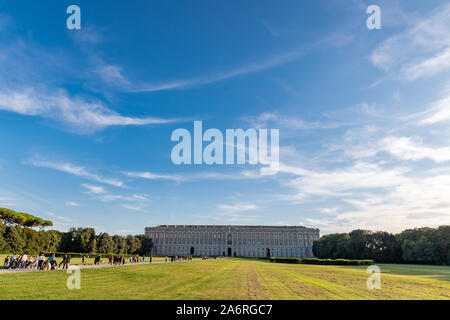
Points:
[[40, 261], [63, 261], [24, 260], [18, 261], [66, 264], [48, 262], [35, 262], [6, 263], [29, 262]]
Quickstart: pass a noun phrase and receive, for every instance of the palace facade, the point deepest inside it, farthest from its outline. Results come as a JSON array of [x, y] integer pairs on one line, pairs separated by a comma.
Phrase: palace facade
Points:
[[236, 241]]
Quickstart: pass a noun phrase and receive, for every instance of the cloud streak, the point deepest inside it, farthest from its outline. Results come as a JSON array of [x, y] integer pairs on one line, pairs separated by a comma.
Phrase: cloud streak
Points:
[[178, 178], [407, 149], [74, 170], [427, 38], [269, 63], [85, 116]]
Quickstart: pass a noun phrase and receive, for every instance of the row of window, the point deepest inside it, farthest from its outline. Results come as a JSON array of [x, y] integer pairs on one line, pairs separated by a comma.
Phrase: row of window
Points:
[[257, 252], [240, 242], [243, 239]]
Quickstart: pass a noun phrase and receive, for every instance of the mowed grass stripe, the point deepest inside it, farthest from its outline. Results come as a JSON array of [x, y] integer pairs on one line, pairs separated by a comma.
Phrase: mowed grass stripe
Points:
[[234, 280], [279, 288], [171, 281], [201, 284], [407, 282], [333, 279], [312, 287]]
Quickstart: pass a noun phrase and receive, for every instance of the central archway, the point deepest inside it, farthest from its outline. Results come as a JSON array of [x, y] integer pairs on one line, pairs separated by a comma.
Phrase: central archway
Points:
[[268, 253], [229, 252], [192, 251]]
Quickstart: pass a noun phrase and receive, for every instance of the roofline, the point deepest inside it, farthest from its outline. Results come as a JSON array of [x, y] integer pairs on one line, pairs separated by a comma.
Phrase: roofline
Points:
[[205, 226]]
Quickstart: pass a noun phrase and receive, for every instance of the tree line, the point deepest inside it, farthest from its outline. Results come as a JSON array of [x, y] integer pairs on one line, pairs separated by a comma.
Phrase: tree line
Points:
[[419, 245], [17, 234]]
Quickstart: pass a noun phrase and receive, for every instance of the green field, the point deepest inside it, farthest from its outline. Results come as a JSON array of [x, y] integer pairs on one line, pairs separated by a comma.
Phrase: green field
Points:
[[231, 279]]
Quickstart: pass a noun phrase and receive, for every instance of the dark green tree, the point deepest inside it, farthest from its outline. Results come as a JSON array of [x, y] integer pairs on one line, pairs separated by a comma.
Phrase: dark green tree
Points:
[[14, 238], [3, 244], [133, 244], [382, 247], [120, 244], [85, 239], [359, 240], [444, 244], [105, 243], [146, 245]]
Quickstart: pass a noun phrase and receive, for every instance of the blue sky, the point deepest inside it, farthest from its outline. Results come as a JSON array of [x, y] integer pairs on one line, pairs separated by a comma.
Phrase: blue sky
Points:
[[86, 115]]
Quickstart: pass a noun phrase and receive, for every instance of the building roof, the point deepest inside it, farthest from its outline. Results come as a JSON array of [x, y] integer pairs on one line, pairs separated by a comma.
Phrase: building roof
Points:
[[203, 226]]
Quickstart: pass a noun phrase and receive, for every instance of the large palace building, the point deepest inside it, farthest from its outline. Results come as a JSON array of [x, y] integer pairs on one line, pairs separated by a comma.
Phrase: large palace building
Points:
[[236, 241]]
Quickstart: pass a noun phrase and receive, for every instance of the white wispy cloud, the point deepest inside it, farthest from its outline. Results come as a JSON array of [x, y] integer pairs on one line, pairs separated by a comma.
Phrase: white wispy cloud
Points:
[[94, 189], [268, 63], [421, 50], [237, 207], [439, 111], [65, 219], [72, 169], [373, 197], [407, 149], [373, 179], [112, 75], [428, 66], [83, 115], [136, 202], [242, 174], [72, 204], [155, 176], [329, 210], [343, 181], [271, 119], [31, 85], [115, 197], [139, 208]]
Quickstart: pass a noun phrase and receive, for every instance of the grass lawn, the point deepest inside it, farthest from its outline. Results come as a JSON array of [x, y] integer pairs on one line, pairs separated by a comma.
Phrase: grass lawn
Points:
[[77, 261], [231, 279]]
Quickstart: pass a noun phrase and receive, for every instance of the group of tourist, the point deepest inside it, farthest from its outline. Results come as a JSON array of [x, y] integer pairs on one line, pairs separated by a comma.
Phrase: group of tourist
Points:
[[177, 258], [41, 262], [37, 262], [215, 257], [118, 260]]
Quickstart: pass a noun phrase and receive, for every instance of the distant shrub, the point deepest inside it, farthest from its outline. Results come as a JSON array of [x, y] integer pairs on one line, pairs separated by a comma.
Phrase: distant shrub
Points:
[[285, 260], [335, 262]]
